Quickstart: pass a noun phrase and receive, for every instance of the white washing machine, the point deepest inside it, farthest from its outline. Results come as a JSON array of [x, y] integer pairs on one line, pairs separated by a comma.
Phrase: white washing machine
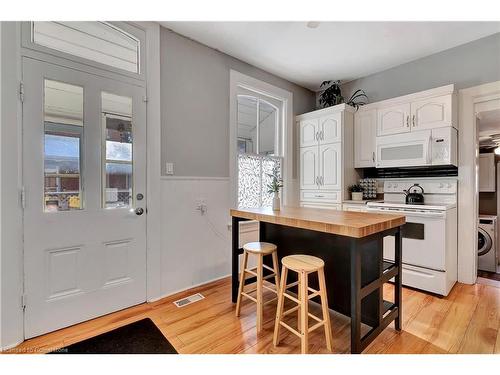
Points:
[[487, 243]]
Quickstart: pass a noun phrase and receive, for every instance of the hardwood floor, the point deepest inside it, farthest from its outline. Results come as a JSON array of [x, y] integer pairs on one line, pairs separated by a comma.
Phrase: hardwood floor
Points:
[[467, 321]]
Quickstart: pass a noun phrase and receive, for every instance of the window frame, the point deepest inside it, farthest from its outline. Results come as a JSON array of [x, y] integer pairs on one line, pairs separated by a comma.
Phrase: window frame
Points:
[[240, 81]]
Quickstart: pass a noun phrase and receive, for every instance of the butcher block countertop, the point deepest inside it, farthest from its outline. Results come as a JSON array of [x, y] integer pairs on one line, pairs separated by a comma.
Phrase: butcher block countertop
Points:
[[343, 223]]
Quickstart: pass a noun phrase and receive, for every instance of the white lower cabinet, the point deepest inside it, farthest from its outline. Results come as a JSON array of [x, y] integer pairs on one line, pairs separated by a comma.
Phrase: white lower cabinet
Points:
[[330, 166], [320, 196], [309, 161]]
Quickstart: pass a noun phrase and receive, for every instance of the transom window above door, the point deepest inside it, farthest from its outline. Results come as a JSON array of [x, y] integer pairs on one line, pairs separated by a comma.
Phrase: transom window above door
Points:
[[100, 42]]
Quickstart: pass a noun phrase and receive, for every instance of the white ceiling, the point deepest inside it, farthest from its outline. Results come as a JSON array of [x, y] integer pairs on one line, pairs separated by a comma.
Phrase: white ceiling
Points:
[[334, 50], [489, 127]]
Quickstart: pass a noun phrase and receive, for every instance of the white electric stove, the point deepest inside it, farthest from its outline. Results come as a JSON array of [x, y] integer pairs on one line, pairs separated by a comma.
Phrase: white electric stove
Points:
[[429, 235]]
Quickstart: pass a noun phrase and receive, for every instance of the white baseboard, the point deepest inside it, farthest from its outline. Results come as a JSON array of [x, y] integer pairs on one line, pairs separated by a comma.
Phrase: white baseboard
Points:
[[169, 294], [11, 346]]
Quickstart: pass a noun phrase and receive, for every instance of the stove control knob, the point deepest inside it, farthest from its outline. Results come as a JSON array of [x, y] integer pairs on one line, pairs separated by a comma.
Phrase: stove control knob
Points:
[[389, 186], [441, 186]]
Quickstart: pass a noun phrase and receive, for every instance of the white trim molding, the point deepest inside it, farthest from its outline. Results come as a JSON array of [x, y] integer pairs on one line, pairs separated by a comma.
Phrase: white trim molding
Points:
[[194, 178], [239, 80], [471, 101], [153, 139], [11, 230]]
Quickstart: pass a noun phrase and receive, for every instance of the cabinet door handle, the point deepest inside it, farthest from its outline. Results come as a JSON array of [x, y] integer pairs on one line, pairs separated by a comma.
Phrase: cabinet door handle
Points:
[[321, 180], [317, 180], [413, 120], [373, 156], [322, 135], [316, 136], [407, 121]]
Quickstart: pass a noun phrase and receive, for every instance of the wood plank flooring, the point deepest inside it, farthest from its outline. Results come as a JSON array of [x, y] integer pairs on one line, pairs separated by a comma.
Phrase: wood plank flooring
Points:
[[467, 321]]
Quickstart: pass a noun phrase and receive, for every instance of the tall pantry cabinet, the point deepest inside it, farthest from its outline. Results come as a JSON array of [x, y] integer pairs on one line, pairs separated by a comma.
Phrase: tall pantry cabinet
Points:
[[326, 156]]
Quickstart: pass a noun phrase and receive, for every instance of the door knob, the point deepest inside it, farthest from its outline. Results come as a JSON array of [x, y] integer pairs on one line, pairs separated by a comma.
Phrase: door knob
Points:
[[139, 211]]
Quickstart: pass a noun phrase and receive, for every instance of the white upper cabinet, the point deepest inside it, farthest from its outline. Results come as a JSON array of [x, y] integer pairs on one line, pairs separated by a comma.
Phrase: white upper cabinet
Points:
[[426, 110], [431, 113], [330, 166], [309, 131], [394, 119], [330, 130], [365, 133], [487, 172], [309, 166]]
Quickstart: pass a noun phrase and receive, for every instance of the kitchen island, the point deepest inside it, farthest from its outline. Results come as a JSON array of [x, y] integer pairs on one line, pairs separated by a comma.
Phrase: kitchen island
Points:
[[351, 245]]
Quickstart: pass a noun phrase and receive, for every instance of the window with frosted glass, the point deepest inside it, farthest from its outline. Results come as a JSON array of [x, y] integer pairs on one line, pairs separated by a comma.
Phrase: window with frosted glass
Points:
[[118, 154], [257, 124], [63, 146]]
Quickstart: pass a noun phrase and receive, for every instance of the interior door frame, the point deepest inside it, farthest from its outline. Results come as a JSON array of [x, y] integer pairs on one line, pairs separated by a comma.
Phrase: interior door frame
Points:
[[11, 245], [470, 101]]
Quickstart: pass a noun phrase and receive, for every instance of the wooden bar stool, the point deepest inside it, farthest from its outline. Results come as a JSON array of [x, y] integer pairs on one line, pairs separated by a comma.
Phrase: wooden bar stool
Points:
[[303, 265], [260, 249]]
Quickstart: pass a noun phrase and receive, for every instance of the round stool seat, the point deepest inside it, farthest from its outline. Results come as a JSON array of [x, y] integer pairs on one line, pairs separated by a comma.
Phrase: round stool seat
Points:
[[259, 247], [303, 263]]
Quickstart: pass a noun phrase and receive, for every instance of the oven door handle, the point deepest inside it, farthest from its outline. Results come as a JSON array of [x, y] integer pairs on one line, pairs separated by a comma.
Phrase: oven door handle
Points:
[[408, 213]]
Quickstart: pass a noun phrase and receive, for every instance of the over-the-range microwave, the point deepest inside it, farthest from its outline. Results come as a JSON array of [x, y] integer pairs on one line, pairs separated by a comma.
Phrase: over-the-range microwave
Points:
[[418, 148]]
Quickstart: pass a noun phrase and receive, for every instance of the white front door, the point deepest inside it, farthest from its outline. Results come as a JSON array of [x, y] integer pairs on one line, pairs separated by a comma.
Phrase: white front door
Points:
[[84, 172]]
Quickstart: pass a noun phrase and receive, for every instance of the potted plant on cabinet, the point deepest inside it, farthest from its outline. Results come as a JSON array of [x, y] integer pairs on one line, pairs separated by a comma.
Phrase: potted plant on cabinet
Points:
[[274, 187], [332, 95], [356, 192]]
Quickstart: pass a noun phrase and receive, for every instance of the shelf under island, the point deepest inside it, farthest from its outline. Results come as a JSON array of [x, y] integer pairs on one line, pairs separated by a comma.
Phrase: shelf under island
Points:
[[351, 245]]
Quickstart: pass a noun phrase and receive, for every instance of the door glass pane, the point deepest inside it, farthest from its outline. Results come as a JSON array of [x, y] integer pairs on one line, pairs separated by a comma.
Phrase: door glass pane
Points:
[[267, 128], [247, 124], [63, 141], [117, 158]]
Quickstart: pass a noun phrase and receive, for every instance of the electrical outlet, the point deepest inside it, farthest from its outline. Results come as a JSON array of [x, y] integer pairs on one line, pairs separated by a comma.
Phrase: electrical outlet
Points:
[[169, 168], [201, 206]]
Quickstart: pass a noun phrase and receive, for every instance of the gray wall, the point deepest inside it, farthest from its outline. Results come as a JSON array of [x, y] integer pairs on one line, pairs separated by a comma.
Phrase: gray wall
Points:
[[195, 104], [467, 65]]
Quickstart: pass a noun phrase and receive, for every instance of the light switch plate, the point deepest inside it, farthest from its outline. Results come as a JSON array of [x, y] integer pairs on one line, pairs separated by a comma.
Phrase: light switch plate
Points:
[[169, 168]]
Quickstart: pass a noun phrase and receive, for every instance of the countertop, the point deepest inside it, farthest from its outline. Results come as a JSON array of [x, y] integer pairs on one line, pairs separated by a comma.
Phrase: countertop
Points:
[[344, 223]]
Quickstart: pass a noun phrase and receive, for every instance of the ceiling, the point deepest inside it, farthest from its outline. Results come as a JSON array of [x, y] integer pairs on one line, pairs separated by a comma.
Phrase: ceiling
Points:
[[489, 129], [332, 50]]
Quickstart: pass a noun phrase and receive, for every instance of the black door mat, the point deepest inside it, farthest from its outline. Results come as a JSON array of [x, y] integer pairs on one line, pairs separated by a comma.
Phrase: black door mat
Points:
[[141, 337]]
